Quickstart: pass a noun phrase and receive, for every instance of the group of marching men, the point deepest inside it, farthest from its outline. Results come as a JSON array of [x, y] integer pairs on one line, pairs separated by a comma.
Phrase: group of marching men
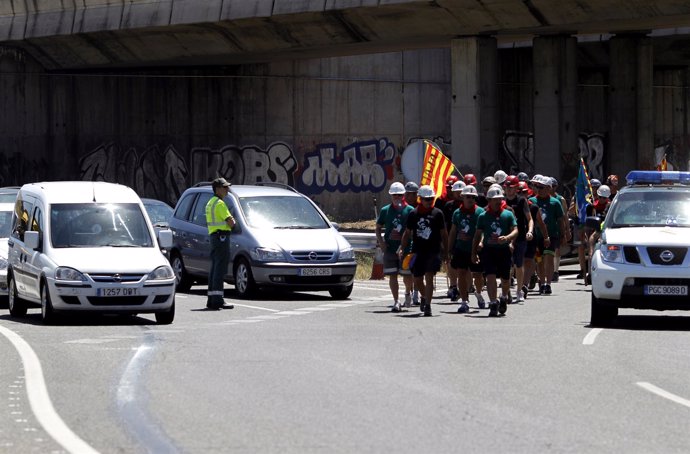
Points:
[[509, 226]]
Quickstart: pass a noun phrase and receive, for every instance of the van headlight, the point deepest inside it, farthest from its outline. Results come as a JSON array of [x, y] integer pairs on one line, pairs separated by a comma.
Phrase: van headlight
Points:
[[160, 273], [264, 254], [63, 273], [347, 254]]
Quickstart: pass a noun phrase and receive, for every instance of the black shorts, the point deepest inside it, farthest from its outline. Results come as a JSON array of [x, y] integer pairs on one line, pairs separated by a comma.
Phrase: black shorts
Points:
[[426, 263], [531, 249], [462, 260], [555, 242], [498, 261], [519, 249], [392, 265]]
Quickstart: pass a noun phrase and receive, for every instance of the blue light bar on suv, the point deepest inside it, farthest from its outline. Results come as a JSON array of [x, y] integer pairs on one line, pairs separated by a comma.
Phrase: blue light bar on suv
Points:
[[657, 177]]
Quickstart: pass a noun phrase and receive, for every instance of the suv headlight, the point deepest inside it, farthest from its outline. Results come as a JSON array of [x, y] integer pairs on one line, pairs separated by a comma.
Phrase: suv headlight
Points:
[[264, 254], [612, 253], [347, 254], [64, 273], [162, 272]]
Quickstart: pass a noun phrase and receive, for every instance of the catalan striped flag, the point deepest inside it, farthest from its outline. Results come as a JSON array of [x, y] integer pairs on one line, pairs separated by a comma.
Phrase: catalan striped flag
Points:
[[437, 168], [583, 192]]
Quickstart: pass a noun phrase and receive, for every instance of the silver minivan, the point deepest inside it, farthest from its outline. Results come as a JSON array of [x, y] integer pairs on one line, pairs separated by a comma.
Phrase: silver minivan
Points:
[[80, 246], [281, 239]]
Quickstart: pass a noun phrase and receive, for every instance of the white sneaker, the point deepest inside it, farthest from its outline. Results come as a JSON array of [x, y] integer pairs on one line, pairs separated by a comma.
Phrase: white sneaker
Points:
[[408, 299], [396, 307], [520, 298], [480, 300]]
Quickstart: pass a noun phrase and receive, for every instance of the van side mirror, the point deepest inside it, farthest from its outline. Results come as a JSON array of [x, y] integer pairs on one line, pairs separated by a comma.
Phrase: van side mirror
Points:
[[31, 239], [593, 222], [165, 238]]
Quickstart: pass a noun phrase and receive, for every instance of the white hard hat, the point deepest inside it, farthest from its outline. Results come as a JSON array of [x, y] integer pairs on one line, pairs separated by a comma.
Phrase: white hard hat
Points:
[[546, 181], [536, 179], [397, 188], [496, 185], [457, 186], [494, 192], [604, 191], [426, 191], [500, 176], [469, 190]]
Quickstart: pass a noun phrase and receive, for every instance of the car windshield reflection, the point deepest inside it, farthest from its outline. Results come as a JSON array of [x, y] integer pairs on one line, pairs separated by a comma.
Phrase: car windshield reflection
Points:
[[281, 212], [98, 225]]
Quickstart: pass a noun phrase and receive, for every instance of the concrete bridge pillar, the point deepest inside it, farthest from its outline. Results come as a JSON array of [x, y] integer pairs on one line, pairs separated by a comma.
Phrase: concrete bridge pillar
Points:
[[474, 109], [631, 137], [555, 85]]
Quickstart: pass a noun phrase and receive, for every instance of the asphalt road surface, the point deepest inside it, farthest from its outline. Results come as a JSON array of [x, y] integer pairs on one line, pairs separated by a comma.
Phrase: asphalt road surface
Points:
[[303, 373]]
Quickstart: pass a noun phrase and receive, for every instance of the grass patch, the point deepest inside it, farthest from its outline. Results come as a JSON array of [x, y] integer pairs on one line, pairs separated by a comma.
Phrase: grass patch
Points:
[[365, 262]]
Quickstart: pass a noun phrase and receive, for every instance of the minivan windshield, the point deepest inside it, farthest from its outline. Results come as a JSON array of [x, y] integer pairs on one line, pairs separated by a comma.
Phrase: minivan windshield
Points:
[[281, 212], [650, 209], [98, 225]]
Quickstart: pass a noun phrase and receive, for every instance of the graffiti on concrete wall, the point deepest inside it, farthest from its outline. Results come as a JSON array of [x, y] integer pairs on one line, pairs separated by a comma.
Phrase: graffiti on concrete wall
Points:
[[360, 166], [518, 149], [591, 146], [163, 173], [245, 165]]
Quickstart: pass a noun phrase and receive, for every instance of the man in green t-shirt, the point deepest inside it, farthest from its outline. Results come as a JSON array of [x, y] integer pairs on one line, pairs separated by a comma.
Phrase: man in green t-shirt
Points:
[[220, 222], [390, 226], [497, 227], [554, 218]]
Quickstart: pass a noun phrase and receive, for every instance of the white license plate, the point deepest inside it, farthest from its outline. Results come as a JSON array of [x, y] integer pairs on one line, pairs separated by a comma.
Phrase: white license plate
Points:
[[668, 290], [119, 291], [315, 271]]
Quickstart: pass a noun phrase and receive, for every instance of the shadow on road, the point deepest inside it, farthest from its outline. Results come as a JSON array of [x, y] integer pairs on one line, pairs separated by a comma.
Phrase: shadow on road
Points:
[[650, 323], [82, 320]]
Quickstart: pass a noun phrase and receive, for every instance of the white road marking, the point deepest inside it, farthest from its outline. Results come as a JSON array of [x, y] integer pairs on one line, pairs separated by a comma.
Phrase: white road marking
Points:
[[381, 289], [315, 309], [334, 305], [292, 313], [267, 317], [39, 399], [257, 307], [91, 341], [591, 336], [663, 393], [231, 322]]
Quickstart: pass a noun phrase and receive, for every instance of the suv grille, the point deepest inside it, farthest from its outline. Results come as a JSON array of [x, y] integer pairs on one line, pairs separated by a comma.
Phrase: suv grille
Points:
[[631, 254], [667, 255], [312, 256]]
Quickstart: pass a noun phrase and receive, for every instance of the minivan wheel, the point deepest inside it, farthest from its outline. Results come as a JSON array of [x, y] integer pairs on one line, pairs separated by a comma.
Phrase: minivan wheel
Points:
[[182, 279], [166, 317], [244, 281], [340, 293], [16, 305], [47, 311]]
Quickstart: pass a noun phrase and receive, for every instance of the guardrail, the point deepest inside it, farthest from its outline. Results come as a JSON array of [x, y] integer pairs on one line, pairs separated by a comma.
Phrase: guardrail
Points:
[[361, 240]]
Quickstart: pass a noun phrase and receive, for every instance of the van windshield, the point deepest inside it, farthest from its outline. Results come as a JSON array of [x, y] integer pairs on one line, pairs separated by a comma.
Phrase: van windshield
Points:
[[98, 225], [281, 212]]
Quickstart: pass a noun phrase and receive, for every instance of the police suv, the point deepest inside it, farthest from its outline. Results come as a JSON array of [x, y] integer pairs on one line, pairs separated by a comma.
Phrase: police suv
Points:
[[641, 260]]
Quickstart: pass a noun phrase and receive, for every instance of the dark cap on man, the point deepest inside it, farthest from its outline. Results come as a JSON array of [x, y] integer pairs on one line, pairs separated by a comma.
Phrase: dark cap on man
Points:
[[220, 183]]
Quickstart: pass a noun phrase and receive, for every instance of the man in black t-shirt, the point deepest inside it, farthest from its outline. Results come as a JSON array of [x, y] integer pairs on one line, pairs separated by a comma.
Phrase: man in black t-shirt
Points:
[[426, 228]]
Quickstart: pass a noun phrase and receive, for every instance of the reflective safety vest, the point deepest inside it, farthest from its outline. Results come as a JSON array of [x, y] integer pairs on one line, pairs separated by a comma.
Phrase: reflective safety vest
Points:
[[216, 214]]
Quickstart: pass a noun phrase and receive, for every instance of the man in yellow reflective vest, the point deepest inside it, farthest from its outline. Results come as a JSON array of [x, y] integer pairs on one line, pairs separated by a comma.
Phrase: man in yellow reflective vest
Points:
[[220, 222]]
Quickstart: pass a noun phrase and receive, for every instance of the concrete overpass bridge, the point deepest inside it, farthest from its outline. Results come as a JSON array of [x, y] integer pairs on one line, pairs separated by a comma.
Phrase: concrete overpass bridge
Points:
[[134, 33], [69, 75]]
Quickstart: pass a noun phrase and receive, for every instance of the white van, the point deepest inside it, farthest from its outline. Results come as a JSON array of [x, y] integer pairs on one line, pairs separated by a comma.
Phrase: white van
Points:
[[87, 246]]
